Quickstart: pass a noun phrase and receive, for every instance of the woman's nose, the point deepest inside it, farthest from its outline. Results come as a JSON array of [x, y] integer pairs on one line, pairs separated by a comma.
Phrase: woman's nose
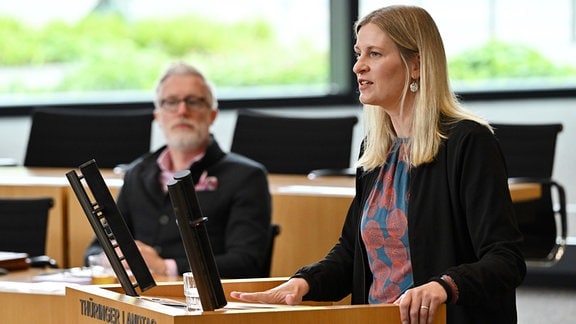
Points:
[[359, 67]]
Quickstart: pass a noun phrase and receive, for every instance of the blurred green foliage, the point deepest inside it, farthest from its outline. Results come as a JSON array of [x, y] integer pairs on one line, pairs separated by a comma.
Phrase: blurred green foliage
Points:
[[497, 59], [108, 52], [105, 51]]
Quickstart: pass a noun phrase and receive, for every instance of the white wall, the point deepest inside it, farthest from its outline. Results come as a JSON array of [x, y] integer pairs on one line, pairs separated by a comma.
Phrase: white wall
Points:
[[14, 132]]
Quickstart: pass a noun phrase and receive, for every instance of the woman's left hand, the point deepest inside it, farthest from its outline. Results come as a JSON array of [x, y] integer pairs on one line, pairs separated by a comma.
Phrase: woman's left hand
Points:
[[420, 304]]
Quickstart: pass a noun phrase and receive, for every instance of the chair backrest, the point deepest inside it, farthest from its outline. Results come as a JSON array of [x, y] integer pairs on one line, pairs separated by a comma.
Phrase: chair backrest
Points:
[[294, 145], [273, 232], [23, 224], [521, 143], [529, 151], [63, 137]]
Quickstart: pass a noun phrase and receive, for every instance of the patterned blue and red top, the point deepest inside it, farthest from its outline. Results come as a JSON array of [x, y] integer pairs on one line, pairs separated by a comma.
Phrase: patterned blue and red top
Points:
[[384, 228]]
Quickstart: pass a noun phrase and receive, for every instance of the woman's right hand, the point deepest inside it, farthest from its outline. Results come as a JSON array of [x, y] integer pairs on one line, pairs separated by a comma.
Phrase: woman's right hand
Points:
[[290, 293]]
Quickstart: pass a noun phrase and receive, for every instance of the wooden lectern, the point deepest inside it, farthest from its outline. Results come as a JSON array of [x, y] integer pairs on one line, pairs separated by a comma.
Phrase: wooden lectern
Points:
[[94, 304]]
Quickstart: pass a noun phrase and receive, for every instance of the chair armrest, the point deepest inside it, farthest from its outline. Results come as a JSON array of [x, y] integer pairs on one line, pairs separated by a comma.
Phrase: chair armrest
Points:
[[350, 172], [561, 196], [42, 261]]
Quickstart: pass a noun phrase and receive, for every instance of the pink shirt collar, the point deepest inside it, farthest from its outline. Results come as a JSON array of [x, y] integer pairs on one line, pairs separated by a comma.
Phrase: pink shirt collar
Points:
[[167, 171]]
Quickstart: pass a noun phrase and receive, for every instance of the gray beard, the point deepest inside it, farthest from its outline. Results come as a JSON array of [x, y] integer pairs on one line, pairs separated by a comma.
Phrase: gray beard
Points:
[[185, 143]]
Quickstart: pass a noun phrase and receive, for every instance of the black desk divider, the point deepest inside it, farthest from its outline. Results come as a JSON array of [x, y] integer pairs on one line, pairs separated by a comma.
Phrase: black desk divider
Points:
[[110, 228], [191, 224]]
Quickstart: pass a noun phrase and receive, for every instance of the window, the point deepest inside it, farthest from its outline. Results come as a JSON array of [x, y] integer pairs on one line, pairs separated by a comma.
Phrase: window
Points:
[[90, 51], [265, 53], [504, 46]]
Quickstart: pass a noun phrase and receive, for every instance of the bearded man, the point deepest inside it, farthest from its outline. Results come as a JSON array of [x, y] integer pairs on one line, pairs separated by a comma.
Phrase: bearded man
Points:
[[232, 190]]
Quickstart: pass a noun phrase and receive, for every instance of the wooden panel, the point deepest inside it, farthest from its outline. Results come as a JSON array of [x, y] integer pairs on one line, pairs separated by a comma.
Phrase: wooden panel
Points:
[[18, 308], [525, 191], [24, 302], [79, 231], [310, 226]]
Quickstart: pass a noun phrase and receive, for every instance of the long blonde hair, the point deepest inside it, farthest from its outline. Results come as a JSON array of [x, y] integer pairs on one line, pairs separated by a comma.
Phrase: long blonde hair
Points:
[[414, 31]]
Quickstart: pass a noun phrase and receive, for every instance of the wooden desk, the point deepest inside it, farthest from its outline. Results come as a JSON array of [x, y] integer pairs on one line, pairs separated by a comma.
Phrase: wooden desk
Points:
[[55, 303], [79, 299], [301, 207], [25, 302]]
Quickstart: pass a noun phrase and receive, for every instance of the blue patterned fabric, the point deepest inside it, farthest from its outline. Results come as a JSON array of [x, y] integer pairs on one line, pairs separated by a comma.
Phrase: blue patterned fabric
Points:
[[385, 228]]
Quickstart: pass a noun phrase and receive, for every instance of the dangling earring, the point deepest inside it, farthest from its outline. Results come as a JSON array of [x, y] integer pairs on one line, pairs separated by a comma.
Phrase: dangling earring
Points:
[[414, 86]]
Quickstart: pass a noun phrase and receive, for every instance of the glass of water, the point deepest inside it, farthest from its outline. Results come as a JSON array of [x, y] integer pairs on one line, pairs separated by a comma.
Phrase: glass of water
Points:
[[101, 269], [191, 292]]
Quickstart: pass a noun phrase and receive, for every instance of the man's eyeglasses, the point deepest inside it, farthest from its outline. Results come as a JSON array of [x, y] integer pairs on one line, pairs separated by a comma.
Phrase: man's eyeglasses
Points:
[[192, 104]]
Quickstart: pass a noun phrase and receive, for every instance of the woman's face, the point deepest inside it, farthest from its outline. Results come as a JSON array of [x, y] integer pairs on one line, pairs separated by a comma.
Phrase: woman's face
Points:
[[379, 69]]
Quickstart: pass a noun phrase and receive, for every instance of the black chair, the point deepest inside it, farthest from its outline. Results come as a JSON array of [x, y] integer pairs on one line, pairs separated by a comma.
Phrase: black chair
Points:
[[294, 145], [273, 232], [23, 228], [64, 137], [529, 151]]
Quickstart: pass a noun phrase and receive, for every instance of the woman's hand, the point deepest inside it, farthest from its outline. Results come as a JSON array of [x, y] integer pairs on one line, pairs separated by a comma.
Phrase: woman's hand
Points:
[[290, 293], [420, 304]]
